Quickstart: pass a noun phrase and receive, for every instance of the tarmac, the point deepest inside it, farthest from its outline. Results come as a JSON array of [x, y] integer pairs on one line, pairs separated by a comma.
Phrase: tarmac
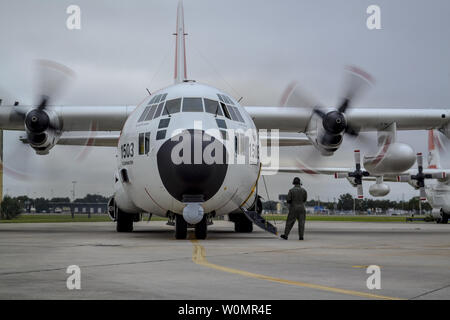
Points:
[[331, 263]]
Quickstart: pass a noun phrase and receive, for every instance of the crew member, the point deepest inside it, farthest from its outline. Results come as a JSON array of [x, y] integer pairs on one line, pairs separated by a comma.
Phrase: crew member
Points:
[[296, 199]]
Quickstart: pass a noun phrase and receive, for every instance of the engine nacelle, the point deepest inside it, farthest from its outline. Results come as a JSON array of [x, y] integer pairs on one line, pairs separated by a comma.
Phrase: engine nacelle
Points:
[[394, 159], [42, 130], [324, 141], [42, 143], [379, 190]]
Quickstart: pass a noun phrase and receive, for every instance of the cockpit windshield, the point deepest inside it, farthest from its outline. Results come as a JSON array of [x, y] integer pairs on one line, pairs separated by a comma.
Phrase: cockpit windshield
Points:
[[158, 106]]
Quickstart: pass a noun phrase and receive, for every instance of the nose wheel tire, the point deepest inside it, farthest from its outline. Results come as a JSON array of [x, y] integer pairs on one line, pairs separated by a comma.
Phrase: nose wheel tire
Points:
[[201, 229], [180, 227], [124, 222]]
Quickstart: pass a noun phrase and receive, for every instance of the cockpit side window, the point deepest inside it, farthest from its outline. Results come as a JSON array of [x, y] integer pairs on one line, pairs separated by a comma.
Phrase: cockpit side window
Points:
[[192, 105], [225, 110], [232, 113], [172, 106], [144, 114], [158, 110], [228, 100], [238, 114], [229, 109], [151, 113], [155, 99], [212, 106]]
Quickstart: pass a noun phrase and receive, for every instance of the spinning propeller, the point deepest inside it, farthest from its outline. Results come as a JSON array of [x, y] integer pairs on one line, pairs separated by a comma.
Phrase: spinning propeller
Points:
[[51, 80], [334, 121], [420, 177], [357, 175]]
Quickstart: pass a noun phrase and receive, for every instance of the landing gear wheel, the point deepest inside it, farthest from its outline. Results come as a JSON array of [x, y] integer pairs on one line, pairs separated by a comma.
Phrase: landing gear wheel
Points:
[[242, 224], [180, 227], [444, 218], [124, 222], [201, 229]]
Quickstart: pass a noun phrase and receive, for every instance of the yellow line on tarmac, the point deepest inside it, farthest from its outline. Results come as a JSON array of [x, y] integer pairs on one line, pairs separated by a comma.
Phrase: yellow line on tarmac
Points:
[[199, 257]]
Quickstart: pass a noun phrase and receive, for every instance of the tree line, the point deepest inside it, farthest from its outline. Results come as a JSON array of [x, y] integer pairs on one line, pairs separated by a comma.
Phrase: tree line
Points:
[[345, 202]]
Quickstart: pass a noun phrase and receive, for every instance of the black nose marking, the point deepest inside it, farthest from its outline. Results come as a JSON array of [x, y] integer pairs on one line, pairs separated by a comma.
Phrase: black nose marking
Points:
[[191, 179]]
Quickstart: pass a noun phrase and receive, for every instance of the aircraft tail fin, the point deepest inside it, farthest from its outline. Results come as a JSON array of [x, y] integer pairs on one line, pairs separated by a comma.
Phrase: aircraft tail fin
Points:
[[434, 147], [180, 49]]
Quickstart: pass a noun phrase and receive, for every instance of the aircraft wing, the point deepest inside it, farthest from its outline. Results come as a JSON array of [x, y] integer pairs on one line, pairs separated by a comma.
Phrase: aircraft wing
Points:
[[296, 140], [323, 171], [94, 139], [72, 118], [315, 171], [85, 138], [293, 119]]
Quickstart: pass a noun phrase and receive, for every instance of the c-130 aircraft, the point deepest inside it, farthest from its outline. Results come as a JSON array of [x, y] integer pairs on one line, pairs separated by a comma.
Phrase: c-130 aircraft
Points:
[[180, 151]]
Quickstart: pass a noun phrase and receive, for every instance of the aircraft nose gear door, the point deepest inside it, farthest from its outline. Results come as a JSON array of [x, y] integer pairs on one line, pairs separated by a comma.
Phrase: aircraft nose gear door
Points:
[[254, 217]]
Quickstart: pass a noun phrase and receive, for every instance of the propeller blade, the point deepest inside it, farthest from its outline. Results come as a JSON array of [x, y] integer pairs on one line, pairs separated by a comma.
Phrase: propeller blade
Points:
[[351, 131], [357, 80], [319, 112], [357, 155], [295, 96], [438, 175], [51, 80], [360, 191], [404, 178], [340, 175], [423, 194], [420, 162]]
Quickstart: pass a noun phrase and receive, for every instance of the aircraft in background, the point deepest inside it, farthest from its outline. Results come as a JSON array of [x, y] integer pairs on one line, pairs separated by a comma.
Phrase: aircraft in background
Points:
[[177, 150], [438, 194]]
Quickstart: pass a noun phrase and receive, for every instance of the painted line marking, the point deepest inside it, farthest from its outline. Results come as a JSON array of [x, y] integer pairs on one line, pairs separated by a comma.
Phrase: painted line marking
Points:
[[199, 257]]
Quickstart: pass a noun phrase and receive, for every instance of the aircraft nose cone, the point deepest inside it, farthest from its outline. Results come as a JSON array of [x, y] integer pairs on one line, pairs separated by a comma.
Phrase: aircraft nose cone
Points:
[[187, 168]]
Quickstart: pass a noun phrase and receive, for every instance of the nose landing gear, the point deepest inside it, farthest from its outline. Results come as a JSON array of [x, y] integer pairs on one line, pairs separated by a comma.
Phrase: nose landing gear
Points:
[[181, 226], [201, 229]]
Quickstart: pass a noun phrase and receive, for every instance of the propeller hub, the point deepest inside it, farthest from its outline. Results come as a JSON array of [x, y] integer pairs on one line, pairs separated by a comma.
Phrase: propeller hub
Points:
[[334, 122], [37, 121]]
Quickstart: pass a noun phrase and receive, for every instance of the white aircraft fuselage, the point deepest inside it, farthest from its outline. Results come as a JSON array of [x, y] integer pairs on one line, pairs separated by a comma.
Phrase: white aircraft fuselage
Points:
[[148, 153]]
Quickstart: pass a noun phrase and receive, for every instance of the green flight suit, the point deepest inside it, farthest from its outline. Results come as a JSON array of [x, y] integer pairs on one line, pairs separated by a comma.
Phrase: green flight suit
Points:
[[296, 199]]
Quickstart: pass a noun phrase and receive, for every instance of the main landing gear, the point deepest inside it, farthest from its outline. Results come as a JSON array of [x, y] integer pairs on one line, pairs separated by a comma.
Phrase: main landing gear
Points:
[[125, 221]]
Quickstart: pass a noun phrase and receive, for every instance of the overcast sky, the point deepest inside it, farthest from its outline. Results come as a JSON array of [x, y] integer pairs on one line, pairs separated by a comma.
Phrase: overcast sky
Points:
[[248, 48]]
